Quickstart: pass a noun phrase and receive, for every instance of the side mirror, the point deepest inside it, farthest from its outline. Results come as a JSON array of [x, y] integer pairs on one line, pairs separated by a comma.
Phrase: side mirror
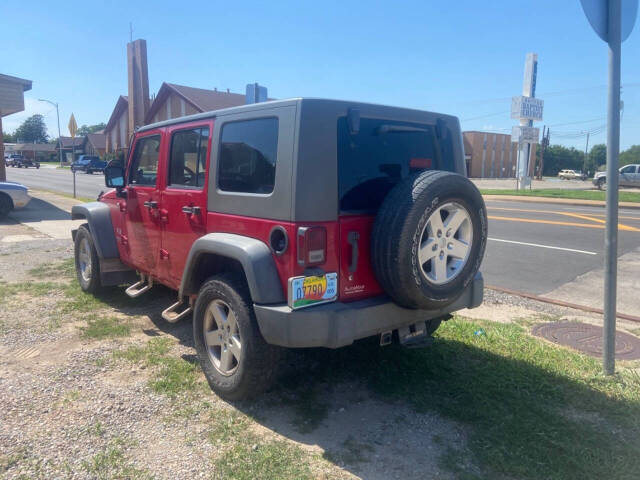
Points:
[[114, 175]]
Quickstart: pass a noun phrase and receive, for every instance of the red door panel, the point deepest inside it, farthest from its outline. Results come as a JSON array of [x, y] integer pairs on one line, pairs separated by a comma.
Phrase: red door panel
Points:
[[184, 199]]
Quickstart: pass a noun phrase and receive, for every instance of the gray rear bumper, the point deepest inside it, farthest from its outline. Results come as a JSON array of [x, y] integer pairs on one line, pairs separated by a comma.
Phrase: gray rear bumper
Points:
[[338, 324]]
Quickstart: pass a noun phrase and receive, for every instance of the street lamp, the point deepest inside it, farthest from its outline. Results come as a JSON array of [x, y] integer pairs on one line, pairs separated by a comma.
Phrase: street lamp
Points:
[[58, 114]]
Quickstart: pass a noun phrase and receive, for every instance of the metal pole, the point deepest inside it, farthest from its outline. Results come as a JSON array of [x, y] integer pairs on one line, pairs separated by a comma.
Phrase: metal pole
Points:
[[613, 149]]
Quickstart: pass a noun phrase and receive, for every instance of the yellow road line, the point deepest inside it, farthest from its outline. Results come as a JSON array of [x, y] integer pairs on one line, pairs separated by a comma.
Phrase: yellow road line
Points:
[[566, 224], [555, 211]]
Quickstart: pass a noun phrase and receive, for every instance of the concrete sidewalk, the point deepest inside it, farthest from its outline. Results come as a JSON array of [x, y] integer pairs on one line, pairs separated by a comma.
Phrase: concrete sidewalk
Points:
[[559, 201], [48, 214]]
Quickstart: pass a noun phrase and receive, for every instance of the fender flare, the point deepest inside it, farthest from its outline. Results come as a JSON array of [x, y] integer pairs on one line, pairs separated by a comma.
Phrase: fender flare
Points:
[[98, 216], [254, 256]]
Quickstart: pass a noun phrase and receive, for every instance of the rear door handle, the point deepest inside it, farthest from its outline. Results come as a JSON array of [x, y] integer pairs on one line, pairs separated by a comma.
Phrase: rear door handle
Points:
[[191, 210], [353, 238], [151, 204]]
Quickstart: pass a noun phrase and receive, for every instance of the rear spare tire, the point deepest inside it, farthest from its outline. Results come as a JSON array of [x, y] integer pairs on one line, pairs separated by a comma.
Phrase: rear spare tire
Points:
[[429, 239]]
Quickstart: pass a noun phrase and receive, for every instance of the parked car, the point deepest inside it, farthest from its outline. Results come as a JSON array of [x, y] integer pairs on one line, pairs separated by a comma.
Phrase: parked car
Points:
[[12, 195], [572, 175], [629, 176], [88, 164], [312, 223]]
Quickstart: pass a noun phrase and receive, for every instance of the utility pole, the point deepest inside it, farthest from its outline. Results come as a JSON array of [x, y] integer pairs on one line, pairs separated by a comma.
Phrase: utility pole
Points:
[[586, 149], [542, 147]]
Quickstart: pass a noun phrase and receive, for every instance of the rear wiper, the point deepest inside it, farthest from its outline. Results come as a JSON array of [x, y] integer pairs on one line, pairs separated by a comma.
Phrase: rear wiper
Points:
[[382, 129]]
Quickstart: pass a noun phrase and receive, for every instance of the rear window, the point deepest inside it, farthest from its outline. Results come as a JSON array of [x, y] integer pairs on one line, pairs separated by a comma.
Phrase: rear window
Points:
[[381, 153]]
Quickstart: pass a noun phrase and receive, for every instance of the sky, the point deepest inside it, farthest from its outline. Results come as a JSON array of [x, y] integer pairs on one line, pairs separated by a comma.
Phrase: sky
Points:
[[462, 57]]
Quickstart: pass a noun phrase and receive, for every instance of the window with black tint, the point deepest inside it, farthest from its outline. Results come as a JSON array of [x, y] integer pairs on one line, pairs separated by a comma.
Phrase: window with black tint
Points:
[[248, 154], [381, 153], [144, 166], [188, 159]]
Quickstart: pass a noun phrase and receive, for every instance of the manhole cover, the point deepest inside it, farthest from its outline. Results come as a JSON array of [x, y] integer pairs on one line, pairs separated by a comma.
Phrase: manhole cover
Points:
[[588, 339]]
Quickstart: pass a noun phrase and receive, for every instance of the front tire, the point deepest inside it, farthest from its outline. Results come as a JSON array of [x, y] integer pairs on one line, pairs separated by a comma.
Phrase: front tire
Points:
[[87, 262], [236, 361], [602, 183]]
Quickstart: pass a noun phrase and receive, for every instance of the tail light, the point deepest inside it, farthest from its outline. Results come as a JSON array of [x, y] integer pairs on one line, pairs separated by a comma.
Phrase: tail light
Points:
[[312, 246]]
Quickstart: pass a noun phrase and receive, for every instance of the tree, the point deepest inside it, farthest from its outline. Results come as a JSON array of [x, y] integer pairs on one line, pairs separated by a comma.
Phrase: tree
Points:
[[557, 157], [8, 137], [85, 129], [630, 155], [596, 158], [32, 130]]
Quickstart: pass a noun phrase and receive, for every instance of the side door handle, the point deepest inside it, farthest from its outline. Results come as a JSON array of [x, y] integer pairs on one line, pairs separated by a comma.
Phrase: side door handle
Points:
[[151, 204], [191, 210]]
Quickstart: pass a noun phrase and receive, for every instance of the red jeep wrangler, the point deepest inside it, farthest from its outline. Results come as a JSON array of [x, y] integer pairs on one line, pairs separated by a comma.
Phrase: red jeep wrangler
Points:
[[293, 223]]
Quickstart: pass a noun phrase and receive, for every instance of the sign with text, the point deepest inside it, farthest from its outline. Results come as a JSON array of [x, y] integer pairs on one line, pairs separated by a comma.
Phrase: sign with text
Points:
[[526, 108], [523, 134]]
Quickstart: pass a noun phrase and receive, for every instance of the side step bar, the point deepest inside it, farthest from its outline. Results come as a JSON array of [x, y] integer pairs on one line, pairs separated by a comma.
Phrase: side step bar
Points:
[[140, 287], [172, 316]]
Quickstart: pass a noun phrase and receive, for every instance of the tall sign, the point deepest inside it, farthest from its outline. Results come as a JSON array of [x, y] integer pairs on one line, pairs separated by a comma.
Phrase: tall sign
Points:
[[527, 109], [613, 21]]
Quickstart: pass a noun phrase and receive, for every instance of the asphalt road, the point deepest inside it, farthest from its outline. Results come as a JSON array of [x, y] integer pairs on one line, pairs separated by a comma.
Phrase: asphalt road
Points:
[[58, 180], [532, 247], [537, 247]]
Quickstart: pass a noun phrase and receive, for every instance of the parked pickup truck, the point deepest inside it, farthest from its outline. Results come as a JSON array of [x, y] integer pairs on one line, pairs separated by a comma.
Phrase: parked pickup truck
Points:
[[21, 161], [88, 164], [292, 223]]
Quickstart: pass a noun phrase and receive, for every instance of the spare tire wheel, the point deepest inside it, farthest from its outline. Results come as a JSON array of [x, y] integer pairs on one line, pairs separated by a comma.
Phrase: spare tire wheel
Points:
[[428, 239]]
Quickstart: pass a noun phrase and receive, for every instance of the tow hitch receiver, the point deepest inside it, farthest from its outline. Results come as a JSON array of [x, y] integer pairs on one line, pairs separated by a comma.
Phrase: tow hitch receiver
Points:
[[415, 336]]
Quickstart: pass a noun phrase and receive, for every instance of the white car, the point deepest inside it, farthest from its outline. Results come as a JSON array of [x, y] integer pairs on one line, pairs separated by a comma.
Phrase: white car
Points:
[[12, 195], [572, 175]]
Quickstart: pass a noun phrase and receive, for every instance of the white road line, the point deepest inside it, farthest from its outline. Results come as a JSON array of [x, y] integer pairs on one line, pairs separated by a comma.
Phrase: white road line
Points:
[[542, 246]]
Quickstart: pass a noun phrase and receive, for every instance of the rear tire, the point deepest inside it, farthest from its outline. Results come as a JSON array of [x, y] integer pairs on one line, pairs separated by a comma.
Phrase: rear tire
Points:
[[87, 262], [236, 361], [429, 239]]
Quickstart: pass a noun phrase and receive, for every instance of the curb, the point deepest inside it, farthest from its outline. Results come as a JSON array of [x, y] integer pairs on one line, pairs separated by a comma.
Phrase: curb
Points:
[[560, 201]]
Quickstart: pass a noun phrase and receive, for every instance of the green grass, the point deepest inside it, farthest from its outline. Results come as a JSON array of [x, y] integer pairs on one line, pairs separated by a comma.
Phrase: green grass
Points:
[[59, 270], [34, 289], [564, 193], [264, 461], [99, 327], [532, 410], [111, 463], [172, 375]]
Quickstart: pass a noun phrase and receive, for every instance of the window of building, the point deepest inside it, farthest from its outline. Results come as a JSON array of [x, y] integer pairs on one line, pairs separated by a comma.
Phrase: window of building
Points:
[[248, 156], [144, 166], [188, 159]]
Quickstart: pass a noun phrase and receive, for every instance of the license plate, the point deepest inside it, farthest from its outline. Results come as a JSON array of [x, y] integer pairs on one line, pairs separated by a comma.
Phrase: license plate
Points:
[[307, 291]]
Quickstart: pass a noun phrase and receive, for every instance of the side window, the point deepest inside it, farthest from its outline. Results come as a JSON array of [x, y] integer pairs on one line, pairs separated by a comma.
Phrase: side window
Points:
[[188, 159], [248, 154], [628, 169], [144, 166]]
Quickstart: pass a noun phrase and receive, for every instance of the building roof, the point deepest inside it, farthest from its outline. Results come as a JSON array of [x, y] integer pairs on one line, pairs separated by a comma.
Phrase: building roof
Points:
[[98, 140], [121, 104], [26, 84], [67, 142], [38, 147], [202, 99]]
